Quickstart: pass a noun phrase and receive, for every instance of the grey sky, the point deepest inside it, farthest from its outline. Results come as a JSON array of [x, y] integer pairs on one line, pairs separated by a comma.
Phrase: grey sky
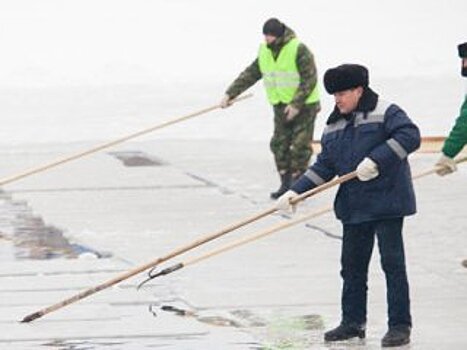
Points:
[[57, 42]]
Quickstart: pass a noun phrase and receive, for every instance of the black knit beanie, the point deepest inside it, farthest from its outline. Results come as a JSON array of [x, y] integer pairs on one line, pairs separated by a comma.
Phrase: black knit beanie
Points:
[[273, 27], [345, 77]]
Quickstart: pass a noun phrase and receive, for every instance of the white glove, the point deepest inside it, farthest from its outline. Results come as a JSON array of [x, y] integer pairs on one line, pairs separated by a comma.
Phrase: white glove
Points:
[[290, 112], [367, 170], [226, 101], [445, 165], [283, 202]]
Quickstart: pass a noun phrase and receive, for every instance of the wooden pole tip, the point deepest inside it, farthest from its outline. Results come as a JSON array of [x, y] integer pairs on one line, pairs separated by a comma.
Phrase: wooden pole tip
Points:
[[31, 317]]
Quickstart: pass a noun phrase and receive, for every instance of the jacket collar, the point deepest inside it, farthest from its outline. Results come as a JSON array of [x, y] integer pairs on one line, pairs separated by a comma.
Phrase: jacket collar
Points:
[[281, 41], [366, 104]]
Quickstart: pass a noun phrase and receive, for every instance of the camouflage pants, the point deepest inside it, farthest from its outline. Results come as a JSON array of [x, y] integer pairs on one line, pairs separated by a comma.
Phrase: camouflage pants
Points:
[[291, 142]]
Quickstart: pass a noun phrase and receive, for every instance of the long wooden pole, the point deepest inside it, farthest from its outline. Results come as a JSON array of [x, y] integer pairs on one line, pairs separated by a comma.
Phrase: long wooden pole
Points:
[[60, 161], [190, 246], [178, 251], [436, 168], [325, 186], [264, 233], [242, 241], [275, 228]]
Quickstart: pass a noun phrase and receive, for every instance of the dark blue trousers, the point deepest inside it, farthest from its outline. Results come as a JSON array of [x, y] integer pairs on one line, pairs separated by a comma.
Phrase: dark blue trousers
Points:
[[357, 246]]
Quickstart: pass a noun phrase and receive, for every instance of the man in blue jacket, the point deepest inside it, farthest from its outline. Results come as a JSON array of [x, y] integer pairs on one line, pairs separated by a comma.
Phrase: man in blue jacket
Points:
[[374, 137]]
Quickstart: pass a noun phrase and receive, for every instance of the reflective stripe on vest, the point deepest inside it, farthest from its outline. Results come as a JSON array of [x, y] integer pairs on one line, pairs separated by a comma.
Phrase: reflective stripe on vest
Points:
[[281, 78]]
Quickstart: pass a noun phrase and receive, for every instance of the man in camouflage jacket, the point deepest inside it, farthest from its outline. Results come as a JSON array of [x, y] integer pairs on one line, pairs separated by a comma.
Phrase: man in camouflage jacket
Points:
[[294, 119]]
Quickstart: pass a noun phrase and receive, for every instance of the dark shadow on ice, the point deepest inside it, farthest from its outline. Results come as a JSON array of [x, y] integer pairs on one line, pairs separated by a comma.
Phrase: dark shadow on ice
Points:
[[137, 158]]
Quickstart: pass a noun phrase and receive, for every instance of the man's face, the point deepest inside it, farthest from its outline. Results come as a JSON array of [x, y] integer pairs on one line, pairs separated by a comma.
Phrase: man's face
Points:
[[464, 67], [347, 101], [269, 39]]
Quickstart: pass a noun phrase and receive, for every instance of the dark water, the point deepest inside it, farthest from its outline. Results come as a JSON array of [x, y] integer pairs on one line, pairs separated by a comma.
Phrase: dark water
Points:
[[25, 235]]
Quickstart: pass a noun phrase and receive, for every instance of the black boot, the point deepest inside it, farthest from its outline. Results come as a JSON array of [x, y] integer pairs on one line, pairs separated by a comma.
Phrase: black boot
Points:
[[396, 336], [344, 332], [284, 187]]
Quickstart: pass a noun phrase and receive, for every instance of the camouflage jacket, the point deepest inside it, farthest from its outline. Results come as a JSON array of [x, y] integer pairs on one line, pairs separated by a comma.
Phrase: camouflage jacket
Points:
[[306, 69]]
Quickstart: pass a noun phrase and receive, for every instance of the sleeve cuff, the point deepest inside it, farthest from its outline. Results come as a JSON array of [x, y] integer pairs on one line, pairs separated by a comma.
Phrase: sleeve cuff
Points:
[[307, 181]]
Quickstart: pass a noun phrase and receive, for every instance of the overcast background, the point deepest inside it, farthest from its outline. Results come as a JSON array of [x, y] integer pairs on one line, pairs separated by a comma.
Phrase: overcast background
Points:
[[96, 69]]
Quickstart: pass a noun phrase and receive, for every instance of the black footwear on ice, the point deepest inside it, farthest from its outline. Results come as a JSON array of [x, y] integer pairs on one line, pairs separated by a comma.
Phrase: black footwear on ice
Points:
[[344, 332], [285, 185], [396, 336]]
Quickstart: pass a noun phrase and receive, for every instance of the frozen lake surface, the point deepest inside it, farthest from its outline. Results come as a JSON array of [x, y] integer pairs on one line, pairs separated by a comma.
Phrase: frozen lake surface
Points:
[[278, 293]]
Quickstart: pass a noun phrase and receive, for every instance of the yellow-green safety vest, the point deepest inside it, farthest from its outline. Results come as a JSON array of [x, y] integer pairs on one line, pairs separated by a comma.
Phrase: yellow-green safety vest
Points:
[[280, 76]]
